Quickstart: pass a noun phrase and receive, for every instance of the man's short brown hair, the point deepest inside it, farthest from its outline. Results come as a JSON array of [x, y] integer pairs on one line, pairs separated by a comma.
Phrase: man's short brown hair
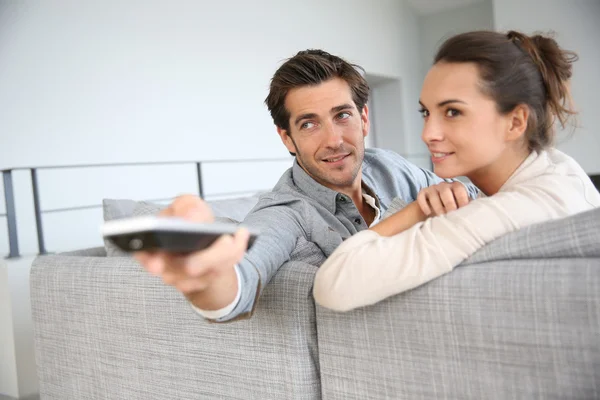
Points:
[[308, 68]]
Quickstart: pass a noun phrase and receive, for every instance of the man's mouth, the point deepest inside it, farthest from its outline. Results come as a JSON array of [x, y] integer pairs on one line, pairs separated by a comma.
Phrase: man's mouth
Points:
[[336, 158]]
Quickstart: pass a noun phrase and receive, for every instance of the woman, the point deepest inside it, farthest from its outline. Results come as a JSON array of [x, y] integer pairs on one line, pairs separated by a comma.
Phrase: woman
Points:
[[489, 104]]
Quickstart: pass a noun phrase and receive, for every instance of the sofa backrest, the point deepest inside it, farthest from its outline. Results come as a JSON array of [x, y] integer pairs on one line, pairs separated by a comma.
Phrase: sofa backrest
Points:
[[104, 329], [575, 236], [234, 208], [521, 320]]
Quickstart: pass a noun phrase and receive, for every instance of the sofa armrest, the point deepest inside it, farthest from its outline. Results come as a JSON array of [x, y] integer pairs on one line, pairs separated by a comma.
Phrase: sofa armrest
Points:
[[104, 328], [502, 330]]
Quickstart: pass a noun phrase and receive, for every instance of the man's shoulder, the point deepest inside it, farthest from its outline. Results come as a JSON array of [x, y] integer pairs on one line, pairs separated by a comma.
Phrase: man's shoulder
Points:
[[284, 194], [381, 160], [377, 152]]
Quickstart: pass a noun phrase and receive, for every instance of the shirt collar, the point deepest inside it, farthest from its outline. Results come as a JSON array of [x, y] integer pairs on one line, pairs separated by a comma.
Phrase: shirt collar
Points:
[[323, 195], [370, 200]]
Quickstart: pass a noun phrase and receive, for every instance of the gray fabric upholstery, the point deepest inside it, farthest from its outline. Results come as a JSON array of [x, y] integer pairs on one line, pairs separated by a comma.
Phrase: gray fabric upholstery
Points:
[[144, 208], [503, 330], [116, 209], [235, 208], [519, 320], [575, 236], [106, 330], [93, 252]]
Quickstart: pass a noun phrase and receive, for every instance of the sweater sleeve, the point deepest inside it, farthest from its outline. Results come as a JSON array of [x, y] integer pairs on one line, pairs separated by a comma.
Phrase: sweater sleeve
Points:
[[368, 268]]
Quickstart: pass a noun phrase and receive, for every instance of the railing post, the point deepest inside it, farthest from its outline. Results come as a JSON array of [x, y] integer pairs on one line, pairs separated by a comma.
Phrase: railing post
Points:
[[11, 217], [38, 212], [199, 175]]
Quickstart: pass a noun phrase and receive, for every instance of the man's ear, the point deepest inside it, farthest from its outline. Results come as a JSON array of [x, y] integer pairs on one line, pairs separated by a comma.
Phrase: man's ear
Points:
[[364, 119], [517, 123], [287, 140]]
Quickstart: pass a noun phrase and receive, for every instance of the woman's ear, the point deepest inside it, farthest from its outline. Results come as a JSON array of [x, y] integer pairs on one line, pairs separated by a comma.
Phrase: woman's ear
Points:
[[517, 125]]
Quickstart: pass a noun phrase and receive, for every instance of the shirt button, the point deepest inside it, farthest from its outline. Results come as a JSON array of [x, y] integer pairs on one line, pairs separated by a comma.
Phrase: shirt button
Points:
[[342, 199], [357, 221]]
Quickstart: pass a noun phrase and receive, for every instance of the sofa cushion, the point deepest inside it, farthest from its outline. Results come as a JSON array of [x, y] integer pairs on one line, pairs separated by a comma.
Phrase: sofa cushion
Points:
[[113, 209], [117, 208], [574, 236]]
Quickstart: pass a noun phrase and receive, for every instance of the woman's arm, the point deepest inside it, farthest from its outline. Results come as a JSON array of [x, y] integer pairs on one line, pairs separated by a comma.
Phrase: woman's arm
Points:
[[400, 221], [434, 200], [368, 267]]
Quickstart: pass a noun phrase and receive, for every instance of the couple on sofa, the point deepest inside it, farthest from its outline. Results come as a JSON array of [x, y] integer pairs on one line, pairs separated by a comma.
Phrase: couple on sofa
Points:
[[376, 224]]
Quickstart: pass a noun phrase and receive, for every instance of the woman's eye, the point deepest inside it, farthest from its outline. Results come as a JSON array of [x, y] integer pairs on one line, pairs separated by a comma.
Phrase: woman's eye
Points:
[[452, 112], [424, 113]]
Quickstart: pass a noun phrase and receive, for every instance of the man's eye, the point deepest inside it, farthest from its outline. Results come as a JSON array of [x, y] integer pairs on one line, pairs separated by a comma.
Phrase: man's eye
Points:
[[307, 125], [343, 115], [452, 112], [424, 113]]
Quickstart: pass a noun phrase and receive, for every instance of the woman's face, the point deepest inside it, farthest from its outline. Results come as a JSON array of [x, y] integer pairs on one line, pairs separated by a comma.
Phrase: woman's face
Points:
[[463, 130]]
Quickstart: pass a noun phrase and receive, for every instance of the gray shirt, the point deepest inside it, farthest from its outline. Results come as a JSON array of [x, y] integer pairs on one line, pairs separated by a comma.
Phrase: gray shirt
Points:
[[302, 220]]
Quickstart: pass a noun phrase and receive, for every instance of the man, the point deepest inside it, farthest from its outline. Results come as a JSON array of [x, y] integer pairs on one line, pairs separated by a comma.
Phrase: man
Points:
[[334, 189]]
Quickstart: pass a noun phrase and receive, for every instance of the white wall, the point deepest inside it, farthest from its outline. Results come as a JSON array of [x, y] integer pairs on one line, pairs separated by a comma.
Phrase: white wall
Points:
[[410, 86], [577, 27], [110, 81], [435, 28]]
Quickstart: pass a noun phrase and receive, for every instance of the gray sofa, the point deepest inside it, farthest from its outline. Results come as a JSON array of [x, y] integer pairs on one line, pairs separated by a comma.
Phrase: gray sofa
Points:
[[519, 319]]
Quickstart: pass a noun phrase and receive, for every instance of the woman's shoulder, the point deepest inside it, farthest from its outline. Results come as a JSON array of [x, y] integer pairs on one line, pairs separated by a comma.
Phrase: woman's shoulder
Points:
[[562, 164], [560, 175], [549, 163]]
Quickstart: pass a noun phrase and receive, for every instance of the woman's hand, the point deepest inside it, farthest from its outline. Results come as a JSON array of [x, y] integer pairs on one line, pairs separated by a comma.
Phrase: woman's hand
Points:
[[442, 198]]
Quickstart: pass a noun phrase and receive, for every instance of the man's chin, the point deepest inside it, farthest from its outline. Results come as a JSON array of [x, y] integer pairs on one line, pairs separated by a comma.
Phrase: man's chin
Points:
[[331, 176], [345, 178]]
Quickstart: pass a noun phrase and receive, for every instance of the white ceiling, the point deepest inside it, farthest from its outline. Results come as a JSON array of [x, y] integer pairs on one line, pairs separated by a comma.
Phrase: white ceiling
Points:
[[424, 7]]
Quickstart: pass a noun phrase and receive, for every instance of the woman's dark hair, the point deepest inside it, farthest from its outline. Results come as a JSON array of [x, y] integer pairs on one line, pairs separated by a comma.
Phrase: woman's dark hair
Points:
[[519, 69]]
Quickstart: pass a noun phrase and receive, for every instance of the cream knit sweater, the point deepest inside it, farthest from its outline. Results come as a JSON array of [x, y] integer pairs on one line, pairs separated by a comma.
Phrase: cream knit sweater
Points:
[[368, 268]]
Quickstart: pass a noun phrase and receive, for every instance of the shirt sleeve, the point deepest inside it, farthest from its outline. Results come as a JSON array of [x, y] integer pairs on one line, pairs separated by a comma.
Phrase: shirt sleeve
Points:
[[368, 268], [225, 311], [279, 227]]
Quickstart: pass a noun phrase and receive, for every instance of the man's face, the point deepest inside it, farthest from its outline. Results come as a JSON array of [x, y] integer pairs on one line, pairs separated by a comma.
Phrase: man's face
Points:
[[327, 133]]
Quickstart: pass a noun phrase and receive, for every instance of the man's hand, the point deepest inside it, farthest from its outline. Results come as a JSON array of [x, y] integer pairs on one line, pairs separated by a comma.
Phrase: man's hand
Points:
[[207, 277], [442, 198]]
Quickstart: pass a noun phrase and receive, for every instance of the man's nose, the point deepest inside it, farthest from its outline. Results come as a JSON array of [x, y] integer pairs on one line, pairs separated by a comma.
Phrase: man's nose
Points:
[[334, 135]]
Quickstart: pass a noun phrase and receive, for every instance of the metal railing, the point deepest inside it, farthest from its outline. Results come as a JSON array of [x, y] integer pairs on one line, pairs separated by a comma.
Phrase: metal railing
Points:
[[9, 194]]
